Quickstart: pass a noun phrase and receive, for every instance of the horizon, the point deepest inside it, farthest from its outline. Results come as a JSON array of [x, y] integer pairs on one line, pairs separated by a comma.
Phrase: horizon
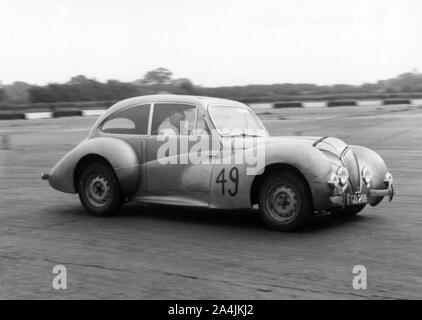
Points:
[[214, 44], [198, 85]]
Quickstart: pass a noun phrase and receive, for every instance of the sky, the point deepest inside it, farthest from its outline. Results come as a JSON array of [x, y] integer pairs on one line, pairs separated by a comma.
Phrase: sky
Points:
[[213, 43]]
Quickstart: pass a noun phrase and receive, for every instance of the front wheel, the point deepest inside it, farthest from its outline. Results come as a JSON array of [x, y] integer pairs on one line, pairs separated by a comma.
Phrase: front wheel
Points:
[[285, 201], [99, 190]]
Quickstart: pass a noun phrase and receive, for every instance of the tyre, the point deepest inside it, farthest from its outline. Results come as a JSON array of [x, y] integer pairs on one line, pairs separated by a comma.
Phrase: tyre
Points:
[[351, 211], [99, 190], [285, 202]]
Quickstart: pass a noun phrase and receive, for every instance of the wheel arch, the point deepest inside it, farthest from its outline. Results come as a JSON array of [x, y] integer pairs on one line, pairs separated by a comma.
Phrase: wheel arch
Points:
[[268, 170], [84, 162]]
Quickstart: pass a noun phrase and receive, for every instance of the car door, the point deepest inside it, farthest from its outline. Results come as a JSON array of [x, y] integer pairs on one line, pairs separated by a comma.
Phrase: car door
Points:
[[177, 171], [131, 124]]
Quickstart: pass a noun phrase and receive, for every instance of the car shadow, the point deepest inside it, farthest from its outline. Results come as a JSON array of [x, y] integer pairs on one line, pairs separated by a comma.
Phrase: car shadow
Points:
[[248, 219], [239, 219], [328, 221]]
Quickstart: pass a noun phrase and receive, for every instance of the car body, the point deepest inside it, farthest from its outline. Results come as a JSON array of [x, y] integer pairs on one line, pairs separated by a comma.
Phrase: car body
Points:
[[317, 174]]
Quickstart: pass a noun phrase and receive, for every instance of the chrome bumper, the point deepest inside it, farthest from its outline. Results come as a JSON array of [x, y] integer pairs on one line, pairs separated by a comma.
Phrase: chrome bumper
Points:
[[340, 200], [383, 192]]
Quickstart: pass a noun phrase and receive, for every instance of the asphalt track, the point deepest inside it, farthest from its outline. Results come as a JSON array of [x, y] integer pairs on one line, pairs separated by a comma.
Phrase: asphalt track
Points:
[[159, 253]]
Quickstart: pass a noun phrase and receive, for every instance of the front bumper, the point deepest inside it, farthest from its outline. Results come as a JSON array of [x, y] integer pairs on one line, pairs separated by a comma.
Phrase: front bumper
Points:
[[382, 193], [340, 200]]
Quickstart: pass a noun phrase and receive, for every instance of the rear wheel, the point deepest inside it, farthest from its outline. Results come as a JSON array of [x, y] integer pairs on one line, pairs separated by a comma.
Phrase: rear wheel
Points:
[[99, 190], [284, 201]]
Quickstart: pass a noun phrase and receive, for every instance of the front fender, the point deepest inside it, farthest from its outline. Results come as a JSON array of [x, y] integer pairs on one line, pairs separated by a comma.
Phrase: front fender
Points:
[[118, 153], [308, 160], [311, 162], [373, 161]]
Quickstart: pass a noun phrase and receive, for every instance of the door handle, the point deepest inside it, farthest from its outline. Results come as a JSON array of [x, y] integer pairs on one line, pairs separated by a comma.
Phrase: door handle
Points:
[[213, 153]]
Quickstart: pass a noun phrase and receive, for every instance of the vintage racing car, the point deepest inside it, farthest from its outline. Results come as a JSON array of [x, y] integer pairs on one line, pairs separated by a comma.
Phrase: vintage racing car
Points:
[[146, 149]]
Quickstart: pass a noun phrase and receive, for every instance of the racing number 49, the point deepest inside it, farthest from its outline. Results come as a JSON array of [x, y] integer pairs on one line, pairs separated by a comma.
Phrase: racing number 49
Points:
[[234, 179]]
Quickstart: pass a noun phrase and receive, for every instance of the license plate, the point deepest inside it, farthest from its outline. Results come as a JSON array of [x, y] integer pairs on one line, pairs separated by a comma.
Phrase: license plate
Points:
[[355, 199]]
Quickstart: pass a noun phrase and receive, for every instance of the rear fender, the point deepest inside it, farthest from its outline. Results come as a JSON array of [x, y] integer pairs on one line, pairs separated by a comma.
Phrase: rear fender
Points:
[[118, 153]]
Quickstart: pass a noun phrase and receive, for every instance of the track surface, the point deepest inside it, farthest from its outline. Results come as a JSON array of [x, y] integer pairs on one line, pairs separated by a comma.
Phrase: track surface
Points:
[[153, 253]]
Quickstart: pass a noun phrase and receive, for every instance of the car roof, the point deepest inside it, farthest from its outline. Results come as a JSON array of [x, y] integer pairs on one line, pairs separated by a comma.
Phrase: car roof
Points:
[[200, 101]]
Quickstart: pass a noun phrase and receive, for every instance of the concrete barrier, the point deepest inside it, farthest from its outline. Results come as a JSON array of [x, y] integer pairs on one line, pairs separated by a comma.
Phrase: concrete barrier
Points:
[[257, 106], [417, 102], [367, 103], [12, 116], [96, 112], [341, 103], [54, 113], [37, 115], [314, 104], [292, 104], [395, 101], [66, 113]]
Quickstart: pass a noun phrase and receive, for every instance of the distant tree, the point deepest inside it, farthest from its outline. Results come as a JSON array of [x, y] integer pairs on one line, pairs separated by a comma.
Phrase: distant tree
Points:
[[17, 92], [80, 79], [390, 89], [41, 94], [158, 76], [139, 82], [184, 85], [81, 88], [1, 92], [116, 90], [406, 82], [370, 87]]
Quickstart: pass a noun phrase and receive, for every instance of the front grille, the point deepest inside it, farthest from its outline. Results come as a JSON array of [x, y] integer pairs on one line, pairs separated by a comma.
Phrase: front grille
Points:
[[350, 162]]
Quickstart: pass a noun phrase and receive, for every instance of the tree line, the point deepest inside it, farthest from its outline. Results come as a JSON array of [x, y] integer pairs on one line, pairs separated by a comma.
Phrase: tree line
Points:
[[82, 88]]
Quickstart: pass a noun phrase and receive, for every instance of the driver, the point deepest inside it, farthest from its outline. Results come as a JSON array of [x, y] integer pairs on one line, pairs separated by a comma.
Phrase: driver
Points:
[[172, 126]]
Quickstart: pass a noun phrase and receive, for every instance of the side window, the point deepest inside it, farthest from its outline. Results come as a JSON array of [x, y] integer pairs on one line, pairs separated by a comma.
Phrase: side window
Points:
[[173, 119], [133, 120]]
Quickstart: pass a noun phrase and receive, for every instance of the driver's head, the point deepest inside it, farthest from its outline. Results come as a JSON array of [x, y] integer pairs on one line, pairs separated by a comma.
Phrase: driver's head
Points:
[[176, 117]]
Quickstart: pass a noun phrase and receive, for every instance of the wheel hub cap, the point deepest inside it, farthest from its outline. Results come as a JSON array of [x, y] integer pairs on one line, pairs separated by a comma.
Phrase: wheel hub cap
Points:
[[283, 202], [98, 190]]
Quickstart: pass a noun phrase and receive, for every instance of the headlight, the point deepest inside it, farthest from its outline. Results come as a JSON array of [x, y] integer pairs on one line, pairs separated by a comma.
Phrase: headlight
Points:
[[343, 175], [388, 177], [333, 180], [366, 176]]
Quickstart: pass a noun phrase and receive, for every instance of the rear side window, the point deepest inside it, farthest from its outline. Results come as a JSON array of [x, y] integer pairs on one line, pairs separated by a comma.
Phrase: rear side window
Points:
[[133, 120]]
